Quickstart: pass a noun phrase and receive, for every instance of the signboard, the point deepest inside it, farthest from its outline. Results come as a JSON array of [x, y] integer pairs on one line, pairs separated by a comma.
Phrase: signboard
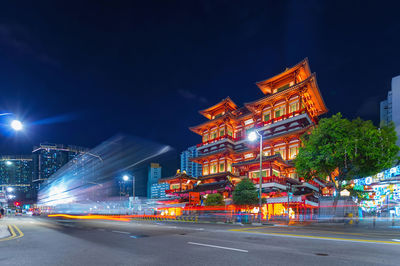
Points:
[[194, 198]]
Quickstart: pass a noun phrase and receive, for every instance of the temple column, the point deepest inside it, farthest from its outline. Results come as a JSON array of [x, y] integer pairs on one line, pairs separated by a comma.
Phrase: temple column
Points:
[[287, 106]]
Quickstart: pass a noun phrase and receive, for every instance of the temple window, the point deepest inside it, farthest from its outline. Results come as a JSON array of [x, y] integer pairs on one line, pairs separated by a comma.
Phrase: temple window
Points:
[[284, 87], [293, 151], [267, 116], [222, 132], [282, 152], [222, 167], [275, 172], [205, 137], [230, 132], [229, 166], [205, 169], [279, 111], [213, 135], [213, 168], [267, 153], [256, 174], [294, 107]]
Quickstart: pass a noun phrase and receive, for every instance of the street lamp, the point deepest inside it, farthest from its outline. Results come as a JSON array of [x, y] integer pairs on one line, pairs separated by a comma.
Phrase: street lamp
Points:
[[252, 137], [126, 178], [10, 189], [8, 163], [16, 125]]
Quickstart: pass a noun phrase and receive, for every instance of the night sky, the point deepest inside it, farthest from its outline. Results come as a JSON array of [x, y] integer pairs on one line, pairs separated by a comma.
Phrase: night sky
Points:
[[78, 73]]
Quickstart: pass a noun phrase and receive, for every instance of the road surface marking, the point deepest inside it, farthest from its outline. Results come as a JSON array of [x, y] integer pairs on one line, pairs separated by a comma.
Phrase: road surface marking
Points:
[[397, 240], [213, 246], [13, 234], [121, 232], [322, 237], [101, 229], [19, 231]]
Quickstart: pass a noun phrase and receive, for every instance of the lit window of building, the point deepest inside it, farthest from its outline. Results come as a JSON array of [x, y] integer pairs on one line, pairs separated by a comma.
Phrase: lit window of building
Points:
[[221, 167], [279, 111], [230, 133], [293, 151], [294, 107], [229, 166], [213, 168], [213, 135], [205, 169], [221, 132], [267, 116]]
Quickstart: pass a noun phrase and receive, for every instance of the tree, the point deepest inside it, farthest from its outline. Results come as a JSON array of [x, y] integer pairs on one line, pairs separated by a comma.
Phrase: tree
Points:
[[214, 200], [245, 193], [343, 150]]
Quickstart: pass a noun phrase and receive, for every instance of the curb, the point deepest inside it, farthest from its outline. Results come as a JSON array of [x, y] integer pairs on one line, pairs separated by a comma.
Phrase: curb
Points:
[[4, 231]]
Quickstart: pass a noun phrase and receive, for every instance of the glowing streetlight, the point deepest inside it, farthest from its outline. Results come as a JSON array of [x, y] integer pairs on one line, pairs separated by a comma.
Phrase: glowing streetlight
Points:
[[16, 125], [252, 137], [127, 178], [10, 189], [8, 163]]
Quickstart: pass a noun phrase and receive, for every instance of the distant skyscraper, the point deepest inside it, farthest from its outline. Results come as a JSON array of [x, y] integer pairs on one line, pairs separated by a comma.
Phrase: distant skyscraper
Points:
[[48, 158], [153, 177], [16, 172], [191, 168], [390, 108]]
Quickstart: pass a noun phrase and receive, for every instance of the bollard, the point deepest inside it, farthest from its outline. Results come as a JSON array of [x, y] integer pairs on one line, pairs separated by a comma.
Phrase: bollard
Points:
[[373, 222], [393, 220]]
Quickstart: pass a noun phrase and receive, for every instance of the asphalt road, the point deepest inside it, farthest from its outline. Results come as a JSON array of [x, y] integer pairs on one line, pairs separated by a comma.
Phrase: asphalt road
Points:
[[43, 241]]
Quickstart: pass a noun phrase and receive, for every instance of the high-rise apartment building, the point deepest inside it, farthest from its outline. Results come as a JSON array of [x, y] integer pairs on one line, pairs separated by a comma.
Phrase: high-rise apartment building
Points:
[[390, 108], [48, 158], [191, 168], [153, 176], [16, 173]]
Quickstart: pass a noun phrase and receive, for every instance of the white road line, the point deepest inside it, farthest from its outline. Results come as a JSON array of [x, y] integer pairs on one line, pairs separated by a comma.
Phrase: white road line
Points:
[[397, 240], [121, 232], [213, 246]]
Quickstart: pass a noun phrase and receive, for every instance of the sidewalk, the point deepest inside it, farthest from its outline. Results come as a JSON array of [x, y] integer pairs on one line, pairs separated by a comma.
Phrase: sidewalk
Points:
[[4, 230]]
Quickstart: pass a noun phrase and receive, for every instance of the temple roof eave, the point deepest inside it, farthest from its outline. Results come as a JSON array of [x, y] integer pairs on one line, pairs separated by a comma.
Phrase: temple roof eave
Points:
[[227, 101], [302, 64], [311, 79], [197, 129]]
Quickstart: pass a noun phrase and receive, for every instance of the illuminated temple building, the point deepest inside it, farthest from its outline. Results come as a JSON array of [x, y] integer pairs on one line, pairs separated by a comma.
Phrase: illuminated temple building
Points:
[[290, 107]]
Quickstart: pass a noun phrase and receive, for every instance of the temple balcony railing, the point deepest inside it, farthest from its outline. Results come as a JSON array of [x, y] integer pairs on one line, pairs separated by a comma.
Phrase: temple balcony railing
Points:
[[281, 118], [270, 129], [218, 139], [311, 184]]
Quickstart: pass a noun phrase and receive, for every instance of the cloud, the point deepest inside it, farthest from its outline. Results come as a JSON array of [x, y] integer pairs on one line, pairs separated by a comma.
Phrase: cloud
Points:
[[21, 41], [188, 95]]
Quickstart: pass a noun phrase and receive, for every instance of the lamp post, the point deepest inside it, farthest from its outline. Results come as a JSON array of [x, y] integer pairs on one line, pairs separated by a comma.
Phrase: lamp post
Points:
[[252, 137], [126, 178]]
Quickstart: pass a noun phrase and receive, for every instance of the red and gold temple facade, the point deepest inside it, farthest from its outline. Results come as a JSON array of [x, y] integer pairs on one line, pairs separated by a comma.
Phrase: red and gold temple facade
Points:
[[291, 106]]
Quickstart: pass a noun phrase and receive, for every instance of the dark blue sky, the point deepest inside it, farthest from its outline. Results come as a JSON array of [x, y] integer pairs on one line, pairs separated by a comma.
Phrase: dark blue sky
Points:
[[103, 67]]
